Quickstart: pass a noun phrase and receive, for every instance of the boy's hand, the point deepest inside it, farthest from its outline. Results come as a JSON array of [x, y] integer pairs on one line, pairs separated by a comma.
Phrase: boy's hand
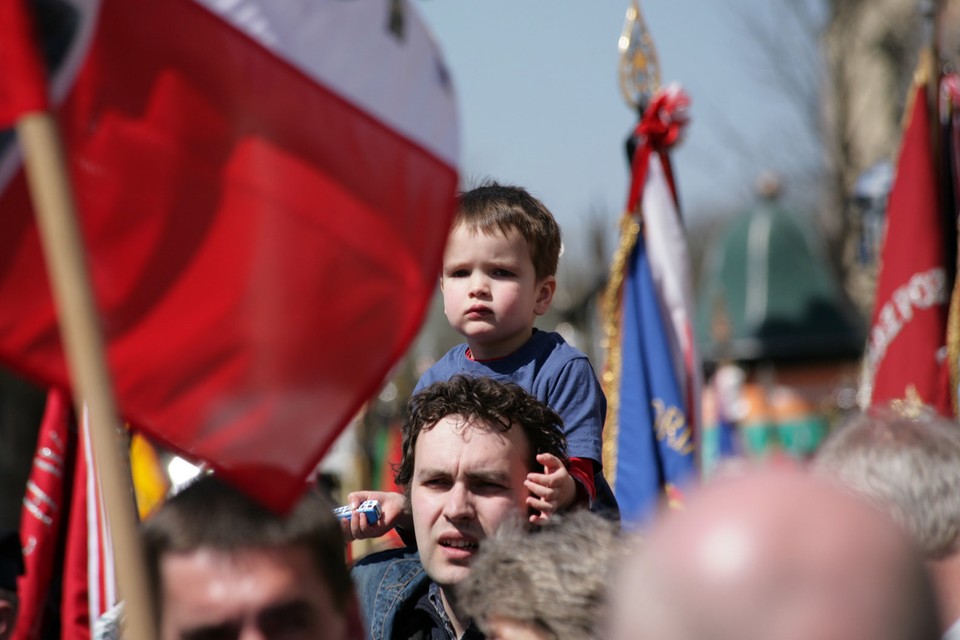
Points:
[[553, 490], [392, 509]]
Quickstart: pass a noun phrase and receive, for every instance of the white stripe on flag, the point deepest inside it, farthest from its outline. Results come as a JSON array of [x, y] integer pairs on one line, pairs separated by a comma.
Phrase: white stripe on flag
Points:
[[670, 268], [320, 38]]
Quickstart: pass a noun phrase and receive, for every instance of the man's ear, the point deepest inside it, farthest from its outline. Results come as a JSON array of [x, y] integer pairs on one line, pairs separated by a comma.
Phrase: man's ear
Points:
[[547, 287], [8, 618]]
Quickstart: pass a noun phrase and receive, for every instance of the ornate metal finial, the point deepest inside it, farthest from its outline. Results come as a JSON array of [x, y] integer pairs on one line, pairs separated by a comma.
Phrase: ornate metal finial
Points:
[[396, 20], [639, 66], [910, 405]]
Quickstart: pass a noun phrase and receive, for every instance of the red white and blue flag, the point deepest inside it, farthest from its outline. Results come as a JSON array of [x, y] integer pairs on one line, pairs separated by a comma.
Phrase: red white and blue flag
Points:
[[652, 375], [264, 192]]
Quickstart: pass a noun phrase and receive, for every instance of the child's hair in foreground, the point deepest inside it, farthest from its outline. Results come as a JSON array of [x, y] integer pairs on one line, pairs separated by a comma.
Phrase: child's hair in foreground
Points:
[[493, 206]]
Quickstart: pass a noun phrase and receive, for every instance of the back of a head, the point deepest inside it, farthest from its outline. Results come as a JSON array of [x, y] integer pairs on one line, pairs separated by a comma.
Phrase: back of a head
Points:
[[555, 579], [209, 514], [775, 555], [496, 207], [907, 465]]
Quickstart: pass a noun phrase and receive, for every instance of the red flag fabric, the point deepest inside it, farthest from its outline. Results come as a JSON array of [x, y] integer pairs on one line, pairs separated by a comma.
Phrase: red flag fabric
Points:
[[24, 89], [265, 191], [40, 521], [904, 358]]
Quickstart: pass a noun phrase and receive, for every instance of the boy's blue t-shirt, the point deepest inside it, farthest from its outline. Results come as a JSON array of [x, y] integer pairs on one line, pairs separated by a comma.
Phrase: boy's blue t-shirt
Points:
[[547, 367]]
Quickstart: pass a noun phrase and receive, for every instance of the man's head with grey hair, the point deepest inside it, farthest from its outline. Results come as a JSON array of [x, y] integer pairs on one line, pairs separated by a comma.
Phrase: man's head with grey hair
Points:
[[909, 466], [551, 583]]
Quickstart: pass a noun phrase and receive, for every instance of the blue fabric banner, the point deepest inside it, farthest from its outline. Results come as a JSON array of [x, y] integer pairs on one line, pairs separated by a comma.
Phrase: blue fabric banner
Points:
[[654, 445]]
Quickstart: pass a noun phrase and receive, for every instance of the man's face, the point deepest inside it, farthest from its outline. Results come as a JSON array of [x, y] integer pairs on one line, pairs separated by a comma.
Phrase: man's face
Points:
[[247, 594], [466, 481]]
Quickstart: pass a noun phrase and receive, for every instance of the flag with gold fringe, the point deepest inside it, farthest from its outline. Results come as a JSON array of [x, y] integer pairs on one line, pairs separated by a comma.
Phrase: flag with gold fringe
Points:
[[651, 376], [949, 107]]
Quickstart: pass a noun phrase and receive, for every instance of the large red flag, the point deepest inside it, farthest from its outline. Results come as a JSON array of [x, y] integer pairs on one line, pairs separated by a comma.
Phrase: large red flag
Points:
[[264, 190], [904, 358]]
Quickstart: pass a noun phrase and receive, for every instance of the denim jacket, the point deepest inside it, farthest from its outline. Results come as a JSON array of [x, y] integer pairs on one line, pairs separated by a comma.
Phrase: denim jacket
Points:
[[388, 584], [399, 600]]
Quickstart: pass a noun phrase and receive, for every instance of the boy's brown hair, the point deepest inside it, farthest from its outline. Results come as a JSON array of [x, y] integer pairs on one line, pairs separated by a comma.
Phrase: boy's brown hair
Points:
[[493, 206]]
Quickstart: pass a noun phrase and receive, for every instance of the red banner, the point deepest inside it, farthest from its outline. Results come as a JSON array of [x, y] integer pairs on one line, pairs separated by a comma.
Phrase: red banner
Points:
[[905, 356], [43, 514]]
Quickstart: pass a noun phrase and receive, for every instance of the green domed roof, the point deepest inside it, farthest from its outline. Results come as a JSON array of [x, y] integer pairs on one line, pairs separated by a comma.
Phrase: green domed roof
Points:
[[767, 293]]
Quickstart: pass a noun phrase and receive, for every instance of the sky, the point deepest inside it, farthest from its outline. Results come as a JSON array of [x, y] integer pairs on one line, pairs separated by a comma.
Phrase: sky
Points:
[[540, 103]]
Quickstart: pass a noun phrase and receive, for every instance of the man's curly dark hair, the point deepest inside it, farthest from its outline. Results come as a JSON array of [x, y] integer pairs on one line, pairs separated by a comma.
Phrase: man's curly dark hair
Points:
[[484, 403]]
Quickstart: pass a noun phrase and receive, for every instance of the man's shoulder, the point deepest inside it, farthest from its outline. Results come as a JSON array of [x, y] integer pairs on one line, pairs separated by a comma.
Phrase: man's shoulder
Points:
[[388, 583], [397, 560], [394, 569]]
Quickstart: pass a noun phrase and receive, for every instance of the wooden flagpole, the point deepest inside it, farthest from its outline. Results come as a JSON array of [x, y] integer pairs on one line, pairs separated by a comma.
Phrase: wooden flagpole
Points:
[[63, 250]]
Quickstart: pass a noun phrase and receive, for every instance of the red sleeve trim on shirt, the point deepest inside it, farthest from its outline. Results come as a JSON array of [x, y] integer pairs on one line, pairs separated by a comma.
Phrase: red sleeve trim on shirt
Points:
[[581, 469]]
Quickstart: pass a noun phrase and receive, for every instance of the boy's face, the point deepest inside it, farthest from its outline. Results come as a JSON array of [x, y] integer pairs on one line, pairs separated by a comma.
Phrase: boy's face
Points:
[[491, 294]]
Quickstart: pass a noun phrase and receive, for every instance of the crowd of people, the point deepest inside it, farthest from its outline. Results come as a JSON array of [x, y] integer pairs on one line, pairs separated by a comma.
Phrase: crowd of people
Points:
[[513, 533], [862, 543]]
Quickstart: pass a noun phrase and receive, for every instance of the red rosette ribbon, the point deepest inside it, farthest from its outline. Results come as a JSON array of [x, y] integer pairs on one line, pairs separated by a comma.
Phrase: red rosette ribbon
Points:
[[660, 128]]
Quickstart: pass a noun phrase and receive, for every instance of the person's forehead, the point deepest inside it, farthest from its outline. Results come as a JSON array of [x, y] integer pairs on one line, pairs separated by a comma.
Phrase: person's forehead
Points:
[[473, 435], [509, 235], [210, 586]]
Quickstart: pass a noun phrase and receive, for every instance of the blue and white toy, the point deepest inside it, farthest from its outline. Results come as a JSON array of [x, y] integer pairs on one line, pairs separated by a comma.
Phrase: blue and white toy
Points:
[[369, 508]]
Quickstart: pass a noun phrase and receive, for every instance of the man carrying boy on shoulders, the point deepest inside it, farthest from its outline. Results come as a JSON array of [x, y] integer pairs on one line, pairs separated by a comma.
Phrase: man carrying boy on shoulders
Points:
[[499, 275], [468, 445]]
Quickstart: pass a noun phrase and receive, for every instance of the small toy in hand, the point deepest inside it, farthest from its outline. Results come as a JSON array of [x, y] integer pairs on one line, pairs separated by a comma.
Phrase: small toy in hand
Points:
[[369, 508]]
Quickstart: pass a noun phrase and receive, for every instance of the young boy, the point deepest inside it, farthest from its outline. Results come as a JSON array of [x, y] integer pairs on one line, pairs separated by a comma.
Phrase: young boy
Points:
[[499, 274]]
